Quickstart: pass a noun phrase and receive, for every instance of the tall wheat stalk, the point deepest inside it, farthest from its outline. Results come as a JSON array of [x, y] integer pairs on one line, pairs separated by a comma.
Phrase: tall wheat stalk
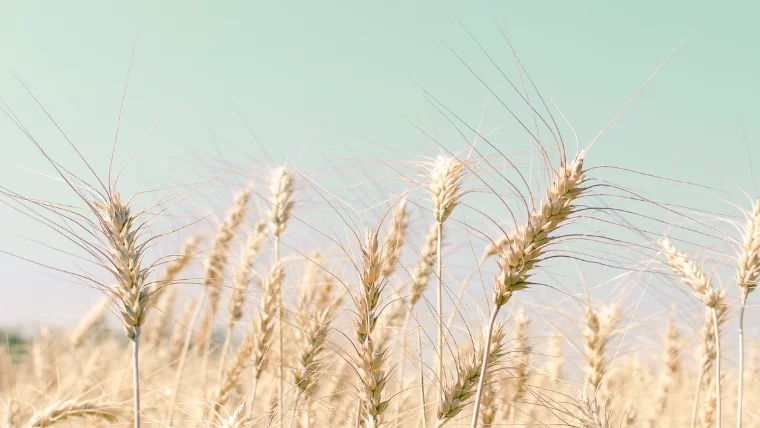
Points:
[[281, 187], [371, 356], [702, 288], [132, 290], [445, 179], [747, 273], [524, 246]]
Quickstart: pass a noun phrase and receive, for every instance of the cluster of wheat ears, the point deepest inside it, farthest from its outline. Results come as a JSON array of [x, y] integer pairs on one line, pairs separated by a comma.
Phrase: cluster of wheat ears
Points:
[[368, 329]]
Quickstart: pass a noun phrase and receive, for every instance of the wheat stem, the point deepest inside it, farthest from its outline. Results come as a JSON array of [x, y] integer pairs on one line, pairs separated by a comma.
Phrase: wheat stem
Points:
[[439, 308], [484, 366], [717, 365], [739, 393], [136, 376]]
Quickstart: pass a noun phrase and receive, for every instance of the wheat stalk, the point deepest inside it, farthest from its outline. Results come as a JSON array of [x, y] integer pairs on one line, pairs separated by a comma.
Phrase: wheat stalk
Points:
[[702, 288], [520, 354], [444, 182], [671, 352], [263, 324], [213, 276], [371, 356], [524, 246], [316, 310], [281, 187], [119, 226], [747, 274]]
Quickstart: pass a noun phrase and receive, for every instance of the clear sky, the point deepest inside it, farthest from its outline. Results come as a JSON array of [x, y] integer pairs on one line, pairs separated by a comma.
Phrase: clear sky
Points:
[[272, 79]]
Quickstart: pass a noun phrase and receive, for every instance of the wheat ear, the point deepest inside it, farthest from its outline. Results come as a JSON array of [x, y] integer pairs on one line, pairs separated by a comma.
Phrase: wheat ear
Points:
[[132, 291], [597, 333], [702, 288], [281, 187], [484, 353], [239, 287], [213, 274], [445, 179], [63, 410], [523, 247], [316, 310], [747, 274], [707, 351], [263, 325], [554, 352], [85, 326], [231, 376], [671, 352], [520, 354], [371, 356]]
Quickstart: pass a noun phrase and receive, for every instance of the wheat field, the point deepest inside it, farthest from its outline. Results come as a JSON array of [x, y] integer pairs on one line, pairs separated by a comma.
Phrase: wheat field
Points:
[[458, 288]]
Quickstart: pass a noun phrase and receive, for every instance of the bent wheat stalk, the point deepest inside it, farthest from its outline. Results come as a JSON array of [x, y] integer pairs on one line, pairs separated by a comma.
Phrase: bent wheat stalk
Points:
[[702, 288], [524, 246]]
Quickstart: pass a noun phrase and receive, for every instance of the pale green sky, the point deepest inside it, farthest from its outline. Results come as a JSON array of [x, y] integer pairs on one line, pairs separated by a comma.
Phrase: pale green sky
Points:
[[339, 76]]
